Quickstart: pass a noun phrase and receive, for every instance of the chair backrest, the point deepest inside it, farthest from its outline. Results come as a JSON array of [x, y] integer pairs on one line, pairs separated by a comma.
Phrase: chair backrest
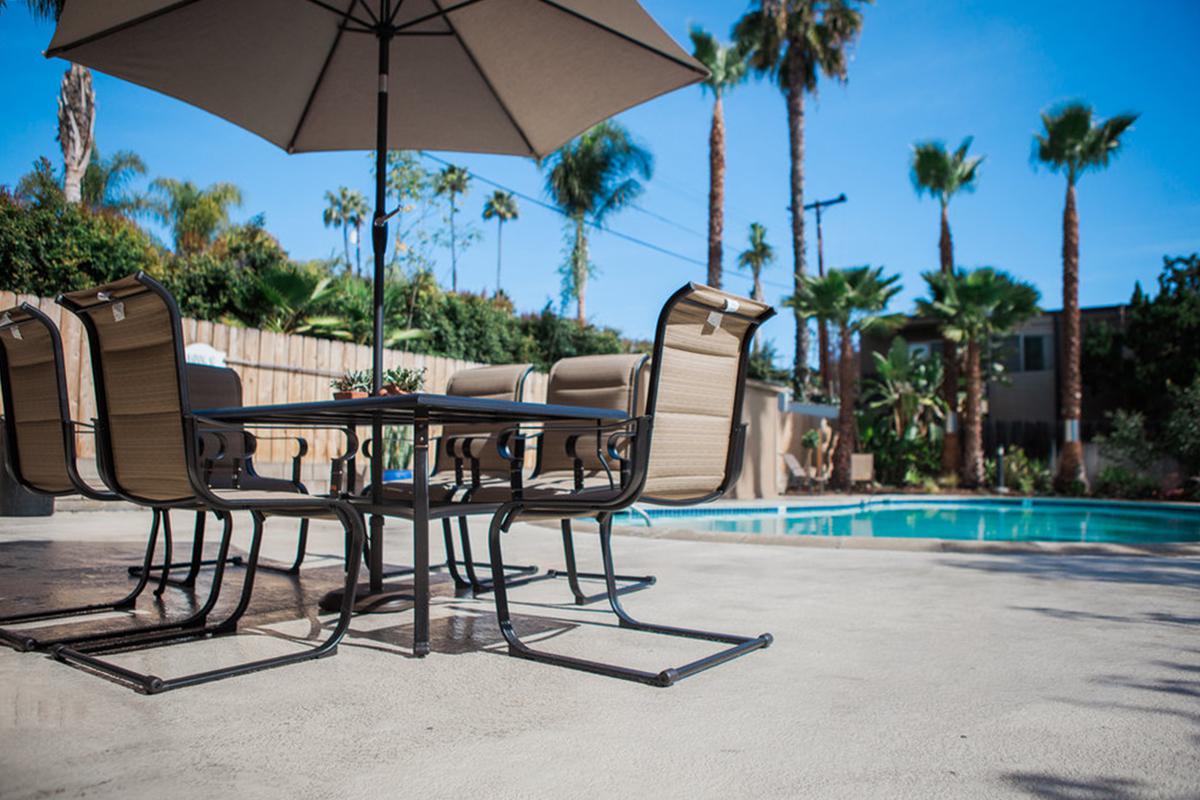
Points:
[[41, 442], [220, 387], [605, 381], [498, 382], [136, 343], [697, 384]]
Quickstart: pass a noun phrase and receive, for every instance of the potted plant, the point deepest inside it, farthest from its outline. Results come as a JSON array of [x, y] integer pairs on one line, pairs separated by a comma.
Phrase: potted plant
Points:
[[354, 384], [403, 380]]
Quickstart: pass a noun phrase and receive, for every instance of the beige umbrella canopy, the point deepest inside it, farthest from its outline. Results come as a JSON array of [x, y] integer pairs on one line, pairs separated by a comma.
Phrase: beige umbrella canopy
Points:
[[496, 76], [492, 76]]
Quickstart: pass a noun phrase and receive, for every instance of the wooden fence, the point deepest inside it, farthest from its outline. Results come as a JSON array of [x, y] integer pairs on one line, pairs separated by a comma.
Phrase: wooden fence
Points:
[[274, 367]]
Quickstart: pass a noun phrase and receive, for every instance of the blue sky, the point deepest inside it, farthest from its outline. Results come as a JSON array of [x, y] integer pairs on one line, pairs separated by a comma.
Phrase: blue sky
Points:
[[922, 69]]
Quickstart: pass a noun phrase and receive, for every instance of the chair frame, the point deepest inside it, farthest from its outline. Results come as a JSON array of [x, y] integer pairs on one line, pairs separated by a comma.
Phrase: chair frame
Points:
[[191, 428], [640, 434], [24, 641]]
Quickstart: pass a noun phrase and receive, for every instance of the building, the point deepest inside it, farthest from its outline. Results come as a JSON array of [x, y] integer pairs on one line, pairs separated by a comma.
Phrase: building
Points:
[[1023, 408]]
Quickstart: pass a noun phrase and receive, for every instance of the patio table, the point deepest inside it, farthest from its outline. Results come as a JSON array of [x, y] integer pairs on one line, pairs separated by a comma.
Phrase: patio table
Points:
[[418, 411]]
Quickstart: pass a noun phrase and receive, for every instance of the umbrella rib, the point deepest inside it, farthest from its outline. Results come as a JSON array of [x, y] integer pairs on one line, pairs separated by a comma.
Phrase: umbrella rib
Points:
[[491, 88], [126, 25], [343, 14], [572, 12], [312, 95]]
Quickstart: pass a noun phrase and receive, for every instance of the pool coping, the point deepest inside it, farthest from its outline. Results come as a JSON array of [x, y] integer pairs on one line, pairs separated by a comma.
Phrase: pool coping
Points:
[[839, 502]]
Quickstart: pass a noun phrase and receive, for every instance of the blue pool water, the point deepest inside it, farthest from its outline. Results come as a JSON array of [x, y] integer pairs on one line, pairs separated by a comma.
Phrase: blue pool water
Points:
[[1016, 520]]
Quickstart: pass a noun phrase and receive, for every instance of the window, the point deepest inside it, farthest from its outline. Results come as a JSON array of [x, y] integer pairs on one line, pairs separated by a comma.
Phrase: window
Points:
[[1008, 353], [1034, 353]]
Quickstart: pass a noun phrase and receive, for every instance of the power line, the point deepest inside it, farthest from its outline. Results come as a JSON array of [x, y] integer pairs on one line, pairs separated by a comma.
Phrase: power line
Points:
[[598, 226]]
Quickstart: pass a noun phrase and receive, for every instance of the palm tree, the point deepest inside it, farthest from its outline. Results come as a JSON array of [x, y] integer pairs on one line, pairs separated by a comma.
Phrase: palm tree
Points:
[[346, 209], [590, 177], [974, 307], [727, 68], [76, 110], [195, 215], [793, 42], [502, 207], [757, 257], [853, 300], [451, 182], [106, 180], [942, 174], [1073, 141]]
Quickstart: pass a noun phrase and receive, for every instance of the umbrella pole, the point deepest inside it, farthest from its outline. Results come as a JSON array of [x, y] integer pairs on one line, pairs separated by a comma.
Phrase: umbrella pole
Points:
[[379, 234]]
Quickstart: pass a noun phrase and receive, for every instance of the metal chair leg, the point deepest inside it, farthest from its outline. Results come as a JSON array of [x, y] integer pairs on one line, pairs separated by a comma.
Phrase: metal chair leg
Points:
[[198, 561], [514, 574], [460, 584], [167, 547], [301, 550], [667, 677], [183, 627], [633, 583], [24, 642], [152, 684]]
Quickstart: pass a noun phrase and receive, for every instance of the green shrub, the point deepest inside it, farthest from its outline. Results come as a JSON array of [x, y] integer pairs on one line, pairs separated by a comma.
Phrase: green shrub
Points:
[[53, 248], [1115, 481], [1025, 475], [1183, 427], [1127, 444]]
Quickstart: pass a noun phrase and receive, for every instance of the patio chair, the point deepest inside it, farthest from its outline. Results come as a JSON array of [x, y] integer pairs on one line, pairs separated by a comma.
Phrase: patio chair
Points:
[[41, 457], [687, 448], [221, 387], [600, 381], [152, 455], [465, 458]]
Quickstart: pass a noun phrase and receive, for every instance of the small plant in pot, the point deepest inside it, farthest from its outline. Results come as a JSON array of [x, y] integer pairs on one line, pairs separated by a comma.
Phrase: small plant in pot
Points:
[[355, 383], [403, 380]]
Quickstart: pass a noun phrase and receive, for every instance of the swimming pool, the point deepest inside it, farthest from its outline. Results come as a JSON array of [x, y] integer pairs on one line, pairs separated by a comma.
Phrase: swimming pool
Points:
[[990, 520]]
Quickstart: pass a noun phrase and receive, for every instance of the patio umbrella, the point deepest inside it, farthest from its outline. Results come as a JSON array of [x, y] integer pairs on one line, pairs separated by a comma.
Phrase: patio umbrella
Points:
[[491, 76], [495, 76]]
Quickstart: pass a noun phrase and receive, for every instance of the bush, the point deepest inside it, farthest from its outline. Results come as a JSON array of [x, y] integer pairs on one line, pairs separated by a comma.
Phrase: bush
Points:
[[1127, 444], [908, 460], [1026, 475], [1183, 427], [1121, 482], [56, 247]]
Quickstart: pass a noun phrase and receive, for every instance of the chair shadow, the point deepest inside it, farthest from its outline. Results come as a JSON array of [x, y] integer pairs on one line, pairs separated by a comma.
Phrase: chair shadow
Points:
[[1177, 571]]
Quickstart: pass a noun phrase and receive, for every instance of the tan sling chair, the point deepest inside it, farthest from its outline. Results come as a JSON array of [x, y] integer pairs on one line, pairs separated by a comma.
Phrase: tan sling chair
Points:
[[151, 446], [686, 449], [40, 436]]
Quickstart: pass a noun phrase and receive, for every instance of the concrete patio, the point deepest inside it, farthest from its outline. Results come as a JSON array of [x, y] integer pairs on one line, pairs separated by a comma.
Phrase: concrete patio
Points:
[[895, 674]]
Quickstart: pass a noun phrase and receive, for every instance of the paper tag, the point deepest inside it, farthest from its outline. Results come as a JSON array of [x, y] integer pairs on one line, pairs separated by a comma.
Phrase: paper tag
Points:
[[16, 332], [118, 310], [732, 305], [714, 318]]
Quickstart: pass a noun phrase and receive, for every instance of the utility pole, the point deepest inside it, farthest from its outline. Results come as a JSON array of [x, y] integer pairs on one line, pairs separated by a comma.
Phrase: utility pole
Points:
[[822, 328]]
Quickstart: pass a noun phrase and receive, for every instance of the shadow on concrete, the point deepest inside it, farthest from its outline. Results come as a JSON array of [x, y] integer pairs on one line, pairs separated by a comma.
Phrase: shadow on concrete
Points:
[[1180, 572], [1153, 617], [1053, 787]]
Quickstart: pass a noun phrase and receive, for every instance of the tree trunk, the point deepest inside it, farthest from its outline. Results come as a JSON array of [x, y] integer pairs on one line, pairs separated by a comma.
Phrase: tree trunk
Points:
[[972, 468], [716, 192], [346, 243], [952, 444], [499, 250], [1070, 463], [358, 250], [847, 396], [580, 266], [76, 128], [453, 249], [795, 112]]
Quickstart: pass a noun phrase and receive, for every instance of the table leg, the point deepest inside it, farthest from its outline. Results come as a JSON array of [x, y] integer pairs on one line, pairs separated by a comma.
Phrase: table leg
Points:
[[375, 568], [421, 537]]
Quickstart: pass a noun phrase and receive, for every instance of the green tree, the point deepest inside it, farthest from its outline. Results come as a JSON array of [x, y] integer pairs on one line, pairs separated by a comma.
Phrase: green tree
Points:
[[194, 215], [1073, 141], [347, 209], [756, 257], [794, 42], [450, 183], [906, 387], [106, 183], [592, 176], [854, 301], [727, 68], [502, 207], [942, 174], [409, 192], [973, 307]]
